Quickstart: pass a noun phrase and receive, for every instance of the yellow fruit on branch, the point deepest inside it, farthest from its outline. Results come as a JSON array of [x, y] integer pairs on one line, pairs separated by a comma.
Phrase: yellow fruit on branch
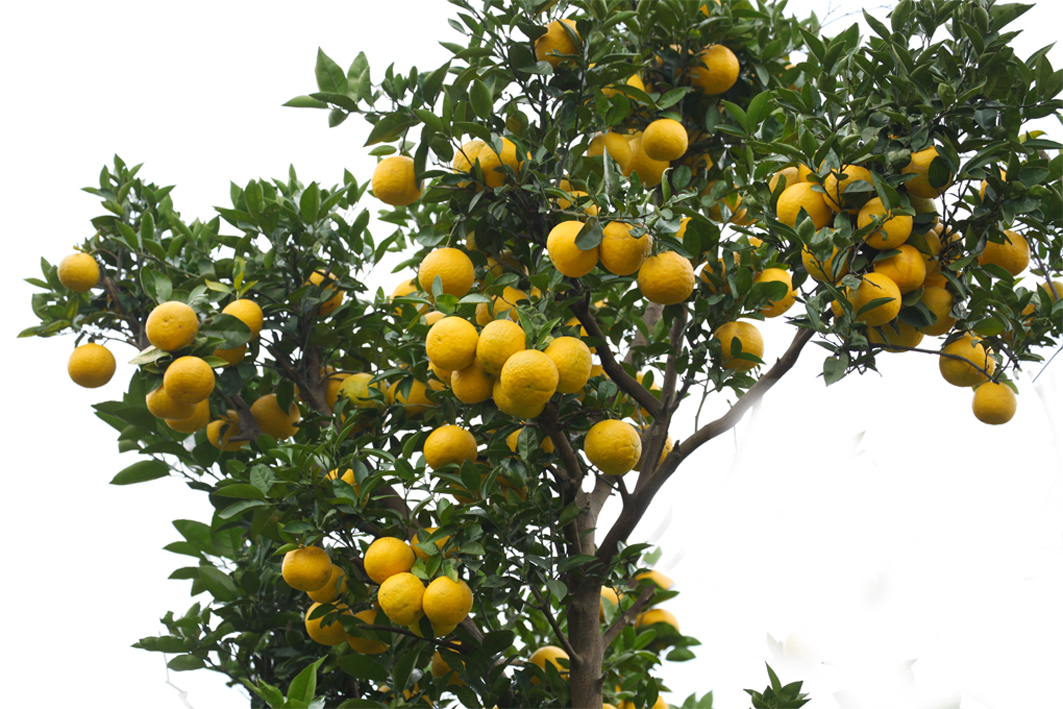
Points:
[[448, 445], [529, 378], [666, 279], [893, 231], [451, 343], [654, 616], [499, 340], [556, 42], [650, 171], [366, 646], [355, 388], [400, 598], [329, 632], [572, 358], [171, 326], [552, 654], [621, 253], [565, 255], [720, 70], [428, 532], [939, 302], [874, 286], [612, 446], [453, 268], [920, 167], [222, 430], [966, 362], [248, 312], [446, 602], [335, 587], [819, 270], [835, 184], [907, 268], [777, 307], [514, 438], [474, 383], [306, 568], [91, 365], [618, 147], [272, 420], [386, 557], [895, 336], [801, 196], [1013, 255], [326, 283], [665, 139], [994, 403], [79, 272], [162, 406], [749, 337], [188, 380], [440, 668], [395, 181]]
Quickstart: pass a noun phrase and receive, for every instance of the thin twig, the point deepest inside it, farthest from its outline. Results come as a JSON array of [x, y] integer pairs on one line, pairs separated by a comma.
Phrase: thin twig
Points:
[[545, 608]]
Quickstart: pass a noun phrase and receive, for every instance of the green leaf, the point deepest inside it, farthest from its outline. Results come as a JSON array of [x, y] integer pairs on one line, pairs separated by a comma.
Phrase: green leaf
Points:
[[481, 98], [218, 583], [182, 663], [304, 686], [389, 127], [141, 471], [330, 77], [366, 667], [305, 102], [242, 491], [310, 203], [590, 235]]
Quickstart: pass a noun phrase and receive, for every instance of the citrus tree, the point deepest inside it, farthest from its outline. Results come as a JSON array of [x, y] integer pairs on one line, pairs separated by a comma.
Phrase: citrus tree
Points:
[[593, 205]]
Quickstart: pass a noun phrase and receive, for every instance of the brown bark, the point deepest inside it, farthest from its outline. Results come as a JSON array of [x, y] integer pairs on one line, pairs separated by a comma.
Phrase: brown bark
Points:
[[585, 636]]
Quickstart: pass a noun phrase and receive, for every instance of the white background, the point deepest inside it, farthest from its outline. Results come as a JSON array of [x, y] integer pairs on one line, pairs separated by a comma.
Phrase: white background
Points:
[[933, 538]]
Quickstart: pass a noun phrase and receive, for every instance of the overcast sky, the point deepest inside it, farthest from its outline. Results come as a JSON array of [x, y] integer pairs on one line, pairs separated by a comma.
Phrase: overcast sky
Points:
[[862, 526]]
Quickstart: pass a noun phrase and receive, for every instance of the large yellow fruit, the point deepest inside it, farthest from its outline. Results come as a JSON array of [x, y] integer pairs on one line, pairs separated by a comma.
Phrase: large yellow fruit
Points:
[[750, 338], [490, 162], [565, 255], [661, 580], [356, 387], [821, 271], [232, 356], [939, 302], [386, 557], [199, 419], [188, 380], [719, 73], [440, 668], [317, 278], [612, 446], [447, 603], [872, 287], [79, 272], [331, 634], [449, 444], [920, 166], [272, 420], [414, 403], [634, 81], [551, 654], [556, 42], [222, 430], [892, 233], [472, 384], [618, 147], [507, 405], [400, 598], [572, 358], [665, 139], [656, 615], [994, 403], [428, 532], [466, 157], [162, 406], [306, 568], [800, 196], [335, 587], [451, 343], [499, 340], [529, 378], [789, 175], [834, 185], [907, 269], [961, 372], [366, 646], [171, 326], [453, 268], [248, 312], [621, 253], [650, 171], [1013, 255], [395, 181], [91, 365], [666, 279], [899, 335], [777, 307]]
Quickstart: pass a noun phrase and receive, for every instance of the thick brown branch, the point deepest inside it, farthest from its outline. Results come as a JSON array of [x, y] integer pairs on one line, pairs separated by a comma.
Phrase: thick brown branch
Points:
[[311, 390], [136, 328], [628, 616], [545, 608], [249, 430]]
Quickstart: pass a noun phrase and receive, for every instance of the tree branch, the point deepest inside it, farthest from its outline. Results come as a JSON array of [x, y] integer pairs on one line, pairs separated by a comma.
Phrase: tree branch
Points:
[[625, 619], [545, 608]]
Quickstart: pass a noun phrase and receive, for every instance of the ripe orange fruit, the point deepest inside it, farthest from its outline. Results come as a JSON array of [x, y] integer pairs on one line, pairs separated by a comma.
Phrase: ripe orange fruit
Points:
[[621, 253], [472, 384], [939, 302], [565, 255], [449, 444], [395, 182], [331, 634], [994, 403], [366, 646], [872, 287], [188, 380], [386, 557], [572, 358], [248, 312], [719, 73], [499, 340], [920, 166], [893, 232], [162, 406], [272, 420], [834, 185], [91, 365], [171, 326], [650, 171], [556, 42], [666, 278], [898, 334], [665, 139], [335, 587], [451, 343], [618, 147], [447, 603], [453, 268], [529, 378], [750, 338], [801, 196], [220, 431], [1013, 255], [551, 654], [306, 568], [199, 419], [79, 272], [400, 598], [907, 269], [613, 446], [327, 284], [821, 271], [962, 372], [780, 306]]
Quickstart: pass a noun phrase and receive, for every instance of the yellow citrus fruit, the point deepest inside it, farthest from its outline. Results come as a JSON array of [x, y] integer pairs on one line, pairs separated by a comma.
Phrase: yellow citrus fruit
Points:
[[907, 269], [920, 166], [633, 81], [872, 287], [789, 176], [443, 375], [893, 232], [366, 646], [332, 388], [1054, 289], [748, 335], [780, 306], [428, 531], [665, 139], [432, 317], [621, 253], [347, 477], [613, 446], [573, 361], [555, 42], [162, 406], [565, 255], [662, 581], [499, 340], [551, 654], [529, 378], [453, 268], [395, 182], [356, 388], [272, 420], [650, 171], [232, 356], [939, 302], [414, 403], [994, 403], [1013, 255], [666, 278], [331, 634], [899, 334], [171, 326], [719, 73], [962, 372], [508, 405], [504, 306], [188, 380], [610, 595], [220, 431], [335, 587], [669, 444], [400, 598], [440, 668], [248, 312], [590, 209], [91, 365], [446, 602], [472, 384], [199, 419], [836, 182], [386, 557], [512, 439], [451, 343], [818, 270], [490, 162], [317, 278], [306, 568], [618, 147], [449, 444], [801, 196], [79, 272], [656, 615], [465, 158]]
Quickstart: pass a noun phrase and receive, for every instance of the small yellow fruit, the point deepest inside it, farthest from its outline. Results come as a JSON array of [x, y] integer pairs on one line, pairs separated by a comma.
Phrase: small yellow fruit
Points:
[[556, 42], [366, 646], [272, 420], [608, 595], [621, 253], [512, 440], [222, 430], [386, 557], [529, 378], [899, 335], [306, 568], [440, 668], [451, 343], [449, 444], [347, 477], [428, 531], [317, 278], [171, 326], [750, 338], [400, 598], [414, 403], [656, 615], [834, 185], [453, 268], [820, 271], [994, 403], [920, 166], [719, 73], [521, 409], [573, 361], [446, 602], [612, 446], [499, 340], [780, 306], [590, 209], [91, 365], [907, 269], [491, 163], [395, 182], [800, 196], [618, 147], [232, 356], [665, 139], [650, 171], [939, 302], [188, 380], [551, 654], [199, 419], [789, 176], [472, 384], [162, 406], [79, 272], [335, 587], [356, 387], [968, 352], [633, 81], [1013, 255], [893, 232], [872, 287], [662, 581], [666, 278], [331, 634], [565, 255], [248, 312]]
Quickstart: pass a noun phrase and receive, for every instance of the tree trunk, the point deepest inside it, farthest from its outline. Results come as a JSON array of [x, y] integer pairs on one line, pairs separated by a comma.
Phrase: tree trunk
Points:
[[585, 635]]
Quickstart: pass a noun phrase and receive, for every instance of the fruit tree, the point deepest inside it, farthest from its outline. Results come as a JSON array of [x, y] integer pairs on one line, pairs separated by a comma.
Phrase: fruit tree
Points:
[[593, 205]]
